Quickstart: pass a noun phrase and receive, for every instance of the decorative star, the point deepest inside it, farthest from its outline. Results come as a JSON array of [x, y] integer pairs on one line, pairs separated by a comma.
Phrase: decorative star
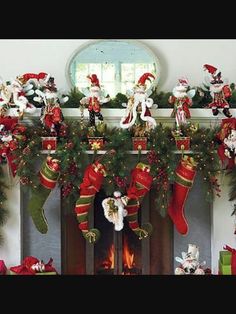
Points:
[[96, 145]]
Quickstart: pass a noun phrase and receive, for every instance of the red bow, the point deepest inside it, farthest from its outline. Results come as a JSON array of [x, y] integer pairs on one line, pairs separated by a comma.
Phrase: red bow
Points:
[[26, 267], [233, 258]]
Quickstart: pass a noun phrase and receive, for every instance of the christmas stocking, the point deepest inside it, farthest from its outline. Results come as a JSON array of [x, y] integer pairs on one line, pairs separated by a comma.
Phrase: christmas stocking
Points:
[[48, 175], [140, 184], [92, 181], [184, 177]]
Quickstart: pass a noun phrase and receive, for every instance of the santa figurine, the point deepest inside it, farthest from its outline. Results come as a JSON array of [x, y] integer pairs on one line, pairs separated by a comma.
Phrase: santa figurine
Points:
[[182, 100], [137, 109], [114, 209], [94, 98], [219, 90]]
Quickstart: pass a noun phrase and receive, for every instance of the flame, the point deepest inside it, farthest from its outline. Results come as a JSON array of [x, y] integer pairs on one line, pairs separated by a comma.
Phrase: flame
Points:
[[110, 262], [128, 258]]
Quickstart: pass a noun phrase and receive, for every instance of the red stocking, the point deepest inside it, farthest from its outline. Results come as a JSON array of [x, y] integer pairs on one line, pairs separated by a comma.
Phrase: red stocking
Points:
[[184, 177]]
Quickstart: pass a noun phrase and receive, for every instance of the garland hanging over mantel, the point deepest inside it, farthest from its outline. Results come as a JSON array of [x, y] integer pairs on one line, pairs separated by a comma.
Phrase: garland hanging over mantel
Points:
[[161, 156]]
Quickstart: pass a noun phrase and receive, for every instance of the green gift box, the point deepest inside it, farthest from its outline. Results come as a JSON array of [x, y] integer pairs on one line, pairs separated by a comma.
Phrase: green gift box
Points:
[[225, 257], [224, 269]]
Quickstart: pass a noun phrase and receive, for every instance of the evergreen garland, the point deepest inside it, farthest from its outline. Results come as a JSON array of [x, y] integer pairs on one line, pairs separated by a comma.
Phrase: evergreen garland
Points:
[[3, 211], [71, 151], [201, 99], [232, 184]]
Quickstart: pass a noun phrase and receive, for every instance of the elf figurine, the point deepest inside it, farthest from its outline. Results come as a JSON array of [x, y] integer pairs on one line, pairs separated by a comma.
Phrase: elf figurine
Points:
[[137, 110], [181, 100], [94, 99], [220, 91]]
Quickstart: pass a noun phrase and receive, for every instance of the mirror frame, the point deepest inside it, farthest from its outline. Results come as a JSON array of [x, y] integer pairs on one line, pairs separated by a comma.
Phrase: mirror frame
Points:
[[134, 42]]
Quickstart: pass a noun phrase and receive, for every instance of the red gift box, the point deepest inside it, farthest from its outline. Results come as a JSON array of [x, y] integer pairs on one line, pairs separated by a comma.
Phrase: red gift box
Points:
[[139, 143], [49, 143], [183, 143], [96, 142]]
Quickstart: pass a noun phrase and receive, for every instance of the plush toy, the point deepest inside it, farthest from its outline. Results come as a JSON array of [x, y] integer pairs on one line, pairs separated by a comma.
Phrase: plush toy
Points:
[[114, 209], [137, 110], [227, 140], [94, 98], [189, 263], [13, 94], [219, 90], [182, 100], [51, 114]]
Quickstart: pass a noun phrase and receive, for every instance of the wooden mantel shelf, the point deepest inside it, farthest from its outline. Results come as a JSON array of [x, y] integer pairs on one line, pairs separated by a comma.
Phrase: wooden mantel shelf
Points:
[[112, 116]]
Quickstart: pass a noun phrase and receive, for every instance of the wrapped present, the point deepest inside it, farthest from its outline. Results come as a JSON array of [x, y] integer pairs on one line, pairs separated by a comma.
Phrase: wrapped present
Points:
[[96, 143], [225, 257], [49, 143], [224, 269], [3, 268], [139, 143], [183, 142], [37, 274], [227, 261], [33, 266]]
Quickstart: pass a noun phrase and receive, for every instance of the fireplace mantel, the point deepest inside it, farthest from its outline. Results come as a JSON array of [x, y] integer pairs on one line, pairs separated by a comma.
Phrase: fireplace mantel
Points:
[[12, 250]]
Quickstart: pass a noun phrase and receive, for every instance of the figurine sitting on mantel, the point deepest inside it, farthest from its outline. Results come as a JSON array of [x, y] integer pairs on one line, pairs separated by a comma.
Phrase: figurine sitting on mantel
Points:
[[220, 91], [182, 100], [137, 109], [94, 97]]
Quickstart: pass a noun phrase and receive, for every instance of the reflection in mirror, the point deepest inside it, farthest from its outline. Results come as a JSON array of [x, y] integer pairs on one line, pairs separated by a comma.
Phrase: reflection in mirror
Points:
[[117, 63]]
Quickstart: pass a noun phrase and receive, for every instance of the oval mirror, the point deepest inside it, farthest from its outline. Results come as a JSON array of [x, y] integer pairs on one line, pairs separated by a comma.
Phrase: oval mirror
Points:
[[118, 65]]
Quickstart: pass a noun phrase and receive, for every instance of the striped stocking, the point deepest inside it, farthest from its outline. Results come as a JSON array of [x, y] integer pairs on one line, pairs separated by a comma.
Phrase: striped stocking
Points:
[[140, 184], [48, 175], [92, 181]]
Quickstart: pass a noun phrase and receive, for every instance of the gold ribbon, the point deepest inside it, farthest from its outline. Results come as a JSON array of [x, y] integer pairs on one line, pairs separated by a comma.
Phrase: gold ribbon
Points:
[[91, 236]]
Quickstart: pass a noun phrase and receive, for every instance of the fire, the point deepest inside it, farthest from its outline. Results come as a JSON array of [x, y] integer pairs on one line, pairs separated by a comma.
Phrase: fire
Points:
[[110, 262], [128, 258]]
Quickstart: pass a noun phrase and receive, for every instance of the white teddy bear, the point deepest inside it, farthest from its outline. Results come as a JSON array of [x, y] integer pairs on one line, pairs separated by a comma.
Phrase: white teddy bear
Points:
[[189, 263]]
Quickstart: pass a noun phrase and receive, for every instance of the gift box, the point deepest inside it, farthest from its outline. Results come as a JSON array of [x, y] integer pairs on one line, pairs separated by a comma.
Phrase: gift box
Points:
[[225, 257], [139, 143], [224, 269], [96, 143], [183, 143], [36, 274], [49, 143]]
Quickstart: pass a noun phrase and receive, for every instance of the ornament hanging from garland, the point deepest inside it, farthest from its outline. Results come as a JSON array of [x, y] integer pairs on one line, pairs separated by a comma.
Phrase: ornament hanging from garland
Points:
[[220, 91]]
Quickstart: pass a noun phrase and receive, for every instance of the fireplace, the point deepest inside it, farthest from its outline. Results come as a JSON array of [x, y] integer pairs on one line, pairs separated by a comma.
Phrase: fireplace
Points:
[[117, 253]]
